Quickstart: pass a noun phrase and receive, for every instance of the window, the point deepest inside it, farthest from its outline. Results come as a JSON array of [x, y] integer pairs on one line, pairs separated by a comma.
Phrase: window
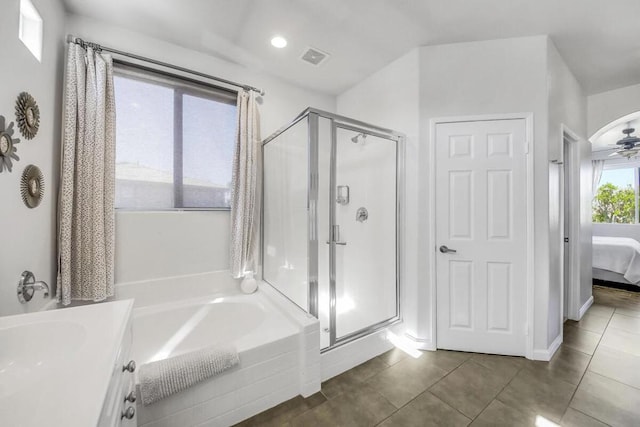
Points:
[[30, 28], [616, 200], [174, 142]]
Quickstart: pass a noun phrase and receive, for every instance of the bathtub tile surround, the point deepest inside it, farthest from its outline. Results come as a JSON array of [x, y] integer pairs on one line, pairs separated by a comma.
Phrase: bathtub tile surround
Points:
[[159, 291], [163, 378], [278, 346], [452, 388]]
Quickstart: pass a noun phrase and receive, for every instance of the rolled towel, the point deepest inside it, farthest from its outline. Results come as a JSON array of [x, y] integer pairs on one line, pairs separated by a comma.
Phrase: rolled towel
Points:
[[169, 376]]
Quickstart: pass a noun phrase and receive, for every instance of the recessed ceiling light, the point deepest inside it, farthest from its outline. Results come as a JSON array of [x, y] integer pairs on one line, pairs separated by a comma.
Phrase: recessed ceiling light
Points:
[[279, 42]]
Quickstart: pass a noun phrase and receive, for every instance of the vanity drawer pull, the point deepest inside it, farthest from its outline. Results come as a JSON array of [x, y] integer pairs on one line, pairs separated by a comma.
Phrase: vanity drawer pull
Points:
[[131, 366], [131, 397], [128, 413]]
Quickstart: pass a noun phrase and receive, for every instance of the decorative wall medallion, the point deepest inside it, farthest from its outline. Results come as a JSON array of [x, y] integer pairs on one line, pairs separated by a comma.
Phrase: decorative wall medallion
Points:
[[7, 146], [32, 186], [27, 115]]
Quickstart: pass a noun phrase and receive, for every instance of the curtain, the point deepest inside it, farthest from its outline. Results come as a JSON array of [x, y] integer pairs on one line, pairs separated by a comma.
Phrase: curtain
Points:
[[598, 166], [86, 199], [245, 188]]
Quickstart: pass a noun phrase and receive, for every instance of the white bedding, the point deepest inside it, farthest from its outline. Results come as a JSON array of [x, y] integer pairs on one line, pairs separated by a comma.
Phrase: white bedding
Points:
[[617, 254]]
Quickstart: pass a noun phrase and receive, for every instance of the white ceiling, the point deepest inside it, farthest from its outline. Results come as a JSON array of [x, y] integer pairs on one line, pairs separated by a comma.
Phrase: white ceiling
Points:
[[599, 39]]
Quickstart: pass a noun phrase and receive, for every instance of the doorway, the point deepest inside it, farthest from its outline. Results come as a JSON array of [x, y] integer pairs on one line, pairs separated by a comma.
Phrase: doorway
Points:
[[362, 290], [482, 235], [569, 222]]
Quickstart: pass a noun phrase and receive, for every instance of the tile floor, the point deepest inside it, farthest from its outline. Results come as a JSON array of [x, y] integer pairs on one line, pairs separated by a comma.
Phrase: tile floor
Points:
[[593, 380]]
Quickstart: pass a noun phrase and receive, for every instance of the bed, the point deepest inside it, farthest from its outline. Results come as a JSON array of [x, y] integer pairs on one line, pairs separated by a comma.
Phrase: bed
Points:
[[616, 259]]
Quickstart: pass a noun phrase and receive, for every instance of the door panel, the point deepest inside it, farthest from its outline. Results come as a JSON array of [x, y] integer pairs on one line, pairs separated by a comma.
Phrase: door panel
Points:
[[499, 204], [481, 214], [461, 288], [498, 296], [461, 205]]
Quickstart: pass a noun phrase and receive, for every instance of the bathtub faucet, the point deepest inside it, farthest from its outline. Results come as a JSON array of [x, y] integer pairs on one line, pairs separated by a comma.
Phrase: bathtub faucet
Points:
[[27, 286]]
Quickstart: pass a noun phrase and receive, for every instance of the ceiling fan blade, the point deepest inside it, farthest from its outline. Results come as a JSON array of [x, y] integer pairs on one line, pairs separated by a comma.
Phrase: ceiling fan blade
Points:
[[606, 149]]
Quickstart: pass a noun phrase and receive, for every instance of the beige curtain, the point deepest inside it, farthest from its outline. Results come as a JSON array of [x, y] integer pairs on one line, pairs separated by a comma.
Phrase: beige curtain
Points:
[[598, 167], [85, 211], [245, 188]]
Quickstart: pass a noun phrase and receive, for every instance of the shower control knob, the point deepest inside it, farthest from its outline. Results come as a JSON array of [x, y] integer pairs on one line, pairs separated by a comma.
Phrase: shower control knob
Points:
[[131, 366], [128, 413], [131, 397]]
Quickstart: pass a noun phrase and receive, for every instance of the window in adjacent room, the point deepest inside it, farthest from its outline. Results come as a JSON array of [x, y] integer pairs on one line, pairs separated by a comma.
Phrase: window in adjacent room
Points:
[[616, 199], [175, 139]]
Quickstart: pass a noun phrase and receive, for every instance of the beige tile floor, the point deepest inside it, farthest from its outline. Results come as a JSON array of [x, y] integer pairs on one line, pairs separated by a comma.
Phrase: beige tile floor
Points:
[[593, 380]]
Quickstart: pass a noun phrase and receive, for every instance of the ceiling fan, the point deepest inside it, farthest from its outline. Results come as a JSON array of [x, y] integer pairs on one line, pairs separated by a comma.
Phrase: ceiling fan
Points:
[[628, 147]]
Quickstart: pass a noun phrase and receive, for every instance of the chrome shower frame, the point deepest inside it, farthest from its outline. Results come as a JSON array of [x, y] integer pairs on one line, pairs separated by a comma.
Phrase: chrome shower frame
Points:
[[339, 122]]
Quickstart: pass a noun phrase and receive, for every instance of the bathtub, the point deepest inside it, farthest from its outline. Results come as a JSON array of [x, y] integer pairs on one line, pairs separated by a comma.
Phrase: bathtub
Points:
[[278, 346]]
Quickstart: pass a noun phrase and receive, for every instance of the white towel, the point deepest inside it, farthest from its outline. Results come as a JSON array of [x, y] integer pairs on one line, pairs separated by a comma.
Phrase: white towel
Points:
[[169, 376]]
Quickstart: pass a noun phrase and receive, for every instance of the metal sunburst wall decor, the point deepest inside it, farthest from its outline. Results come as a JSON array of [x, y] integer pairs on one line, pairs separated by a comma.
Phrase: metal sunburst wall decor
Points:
[[27, 115], [32, 186], [7, 146]]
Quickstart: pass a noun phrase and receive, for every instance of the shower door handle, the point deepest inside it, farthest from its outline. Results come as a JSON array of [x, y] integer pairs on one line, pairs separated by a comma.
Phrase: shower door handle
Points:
[[335, 236]]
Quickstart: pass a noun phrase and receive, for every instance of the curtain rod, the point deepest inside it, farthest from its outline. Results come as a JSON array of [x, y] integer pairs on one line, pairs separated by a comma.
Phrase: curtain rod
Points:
[[85, 44]]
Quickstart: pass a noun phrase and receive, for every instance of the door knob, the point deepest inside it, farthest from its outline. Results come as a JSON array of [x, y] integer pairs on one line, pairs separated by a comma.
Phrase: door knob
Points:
[[131, 366], [128, 413], [446, 250]]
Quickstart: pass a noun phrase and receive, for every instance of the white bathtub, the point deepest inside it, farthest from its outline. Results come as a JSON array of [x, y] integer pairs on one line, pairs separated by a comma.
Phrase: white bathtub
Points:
[[278, 346]]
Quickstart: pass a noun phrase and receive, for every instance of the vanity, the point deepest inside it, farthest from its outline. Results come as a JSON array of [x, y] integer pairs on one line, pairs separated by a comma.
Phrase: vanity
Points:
[[68, 367]]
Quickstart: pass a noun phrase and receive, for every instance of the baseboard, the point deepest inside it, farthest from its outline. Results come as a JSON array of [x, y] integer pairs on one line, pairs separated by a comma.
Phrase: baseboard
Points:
[[546, 354], [585, 307], [340, 359], [421, 343]]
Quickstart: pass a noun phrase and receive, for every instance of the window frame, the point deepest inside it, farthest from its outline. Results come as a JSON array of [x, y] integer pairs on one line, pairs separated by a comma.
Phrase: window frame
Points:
[[181, 85]]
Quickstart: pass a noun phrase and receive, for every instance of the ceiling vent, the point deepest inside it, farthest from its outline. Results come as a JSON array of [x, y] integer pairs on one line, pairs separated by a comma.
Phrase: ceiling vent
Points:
[[314, 56]]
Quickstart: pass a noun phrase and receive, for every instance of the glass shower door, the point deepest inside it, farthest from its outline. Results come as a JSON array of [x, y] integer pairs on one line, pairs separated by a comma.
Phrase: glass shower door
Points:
[[363, 249]]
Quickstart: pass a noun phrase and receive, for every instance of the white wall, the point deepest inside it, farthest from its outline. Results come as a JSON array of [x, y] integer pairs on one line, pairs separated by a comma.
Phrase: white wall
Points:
[[489, 77], [166, 244], [497, 76], [390, 98], [28, 236], [605, 107], [567, 106], [142, 238]]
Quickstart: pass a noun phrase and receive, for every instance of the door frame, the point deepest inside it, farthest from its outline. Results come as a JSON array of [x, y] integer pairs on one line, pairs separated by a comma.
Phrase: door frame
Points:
[[338, 122], [569, 137], [528, 118]]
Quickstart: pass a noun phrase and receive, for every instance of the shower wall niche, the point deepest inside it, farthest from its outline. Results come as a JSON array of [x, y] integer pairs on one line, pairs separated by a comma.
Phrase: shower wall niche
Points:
[[331, 222]]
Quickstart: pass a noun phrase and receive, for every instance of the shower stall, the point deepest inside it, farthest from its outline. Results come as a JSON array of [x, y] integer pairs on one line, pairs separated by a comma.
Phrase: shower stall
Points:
[[331, 222]]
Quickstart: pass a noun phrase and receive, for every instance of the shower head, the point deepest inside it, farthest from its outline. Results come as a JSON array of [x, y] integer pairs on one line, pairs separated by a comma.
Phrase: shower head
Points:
[[355, 138]]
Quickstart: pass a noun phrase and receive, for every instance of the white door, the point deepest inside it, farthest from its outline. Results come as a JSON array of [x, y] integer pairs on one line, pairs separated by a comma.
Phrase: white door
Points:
[[481, 212]]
